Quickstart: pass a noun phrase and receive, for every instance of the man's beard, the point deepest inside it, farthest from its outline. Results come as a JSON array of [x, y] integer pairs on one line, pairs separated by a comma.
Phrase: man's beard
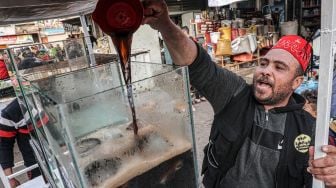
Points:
[[276, 96]]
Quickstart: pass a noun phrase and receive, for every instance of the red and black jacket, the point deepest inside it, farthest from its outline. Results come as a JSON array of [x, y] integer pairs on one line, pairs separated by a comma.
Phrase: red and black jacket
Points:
[[13, 121], [3, 70]]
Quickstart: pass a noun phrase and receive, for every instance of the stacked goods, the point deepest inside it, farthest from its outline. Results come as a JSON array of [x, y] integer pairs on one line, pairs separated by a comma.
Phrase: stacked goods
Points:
[[208, 26], [223, 47], [224, 42]]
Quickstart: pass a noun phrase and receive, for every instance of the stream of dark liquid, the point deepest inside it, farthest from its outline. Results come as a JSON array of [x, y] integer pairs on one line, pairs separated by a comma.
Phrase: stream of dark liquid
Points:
[[123, 42]]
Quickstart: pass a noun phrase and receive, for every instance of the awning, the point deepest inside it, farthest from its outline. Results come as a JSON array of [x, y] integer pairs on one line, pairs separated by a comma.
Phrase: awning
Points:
[[19, 11], [72, 21]]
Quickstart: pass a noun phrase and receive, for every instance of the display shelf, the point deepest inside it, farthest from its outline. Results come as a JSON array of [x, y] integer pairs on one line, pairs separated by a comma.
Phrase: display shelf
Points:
[[311, 24], [310, 7], [311, 16]]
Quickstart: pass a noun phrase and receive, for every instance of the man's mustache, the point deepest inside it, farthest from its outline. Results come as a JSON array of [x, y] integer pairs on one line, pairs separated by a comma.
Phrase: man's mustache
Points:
[[264, 80]]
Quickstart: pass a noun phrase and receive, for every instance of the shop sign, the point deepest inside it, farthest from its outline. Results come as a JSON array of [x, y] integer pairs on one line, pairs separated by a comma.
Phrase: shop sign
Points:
[[26, 29], [71, 28], [51, 27], [16, 39], [8, 40], [219, 3], [24, 39], [7, 30], [54, 31]]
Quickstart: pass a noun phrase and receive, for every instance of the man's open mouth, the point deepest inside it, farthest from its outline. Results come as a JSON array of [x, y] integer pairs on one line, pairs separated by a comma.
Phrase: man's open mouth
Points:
[[264, 84]]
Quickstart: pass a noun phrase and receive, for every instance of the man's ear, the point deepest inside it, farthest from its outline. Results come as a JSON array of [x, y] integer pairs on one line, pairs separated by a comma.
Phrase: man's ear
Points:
[[297, 82]]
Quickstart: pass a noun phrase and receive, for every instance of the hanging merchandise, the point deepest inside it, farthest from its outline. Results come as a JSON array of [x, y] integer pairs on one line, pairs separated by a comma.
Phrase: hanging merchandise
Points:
[[225, 33], [260, 30], [267, 12], [240, 22], [234, 33], [273, 38], [214, 36], [223, 47], [289, 28], [253, 42], [226, 23], [207, 37], [242, 32], [244, 44]]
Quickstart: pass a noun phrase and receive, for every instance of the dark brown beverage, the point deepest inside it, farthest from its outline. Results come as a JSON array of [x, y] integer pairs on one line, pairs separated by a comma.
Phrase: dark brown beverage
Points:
[[177, 172], [120, 19], [123, 42]]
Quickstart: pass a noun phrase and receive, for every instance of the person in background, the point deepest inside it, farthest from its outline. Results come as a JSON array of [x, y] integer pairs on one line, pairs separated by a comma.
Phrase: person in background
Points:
[[73, 48], [34, 49], [60, 54], [13, 127], [311, 102], [93, 39], [3, 69], [261, 136], [29, 60], [332, 136], [52, 51]]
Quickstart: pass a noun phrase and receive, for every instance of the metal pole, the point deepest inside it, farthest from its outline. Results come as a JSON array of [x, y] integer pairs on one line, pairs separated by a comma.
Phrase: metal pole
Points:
[[87, 40], [328, 34], [4, 178], [286, 10], [294, 5], [258, 4]]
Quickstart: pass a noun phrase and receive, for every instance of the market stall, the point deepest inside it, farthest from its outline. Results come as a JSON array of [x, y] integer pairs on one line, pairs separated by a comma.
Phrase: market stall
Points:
[[85, 112], [236, 34]]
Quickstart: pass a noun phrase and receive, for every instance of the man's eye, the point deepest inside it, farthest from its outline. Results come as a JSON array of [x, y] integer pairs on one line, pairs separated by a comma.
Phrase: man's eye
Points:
[[263, 64], [280, 67]]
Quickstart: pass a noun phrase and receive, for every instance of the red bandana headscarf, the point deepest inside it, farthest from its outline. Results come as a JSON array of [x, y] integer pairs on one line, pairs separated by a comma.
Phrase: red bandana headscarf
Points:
[[298, 47]]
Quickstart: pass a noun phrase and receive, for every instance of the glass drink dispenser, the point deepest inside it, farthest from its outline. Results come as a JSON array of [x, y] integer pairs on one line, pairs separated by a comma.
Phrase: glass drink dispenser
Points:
[[82, 133]]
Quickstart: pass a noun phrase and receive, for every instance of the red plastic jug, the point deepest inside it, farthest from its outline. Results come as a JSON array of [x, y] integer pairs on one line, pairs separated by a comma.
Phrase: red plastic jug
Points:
[[118, 16]]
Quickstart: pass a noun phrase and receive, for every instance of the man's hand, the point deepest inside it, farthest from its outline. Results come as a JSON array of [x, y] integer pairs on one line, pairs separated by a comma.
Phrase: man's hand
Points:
[[156, 14], [324, 168]]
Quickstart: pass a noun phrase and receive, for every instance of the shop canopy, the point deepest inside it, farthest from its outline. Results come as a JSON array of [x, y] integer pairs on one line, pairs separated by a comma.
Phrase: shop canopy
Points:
[[18, 11]]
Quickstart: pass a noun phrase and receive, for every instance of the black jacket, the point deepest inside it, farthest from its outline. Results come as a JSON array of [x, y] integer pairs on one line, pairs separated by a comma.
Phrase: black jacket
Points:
[[235, 123], [249, 146]]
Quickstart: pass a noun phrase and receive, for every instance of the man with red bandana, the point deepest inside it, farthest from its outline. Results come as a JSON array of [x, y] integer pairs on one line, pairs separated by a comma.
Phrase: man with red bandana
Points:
[[261, 136]]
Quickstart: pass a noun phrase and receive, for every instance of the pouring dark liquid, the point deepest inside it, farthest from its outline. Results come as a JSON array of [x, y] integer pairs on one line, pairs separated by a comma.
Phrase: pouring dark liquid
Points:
[[122, 42], [120, 19]]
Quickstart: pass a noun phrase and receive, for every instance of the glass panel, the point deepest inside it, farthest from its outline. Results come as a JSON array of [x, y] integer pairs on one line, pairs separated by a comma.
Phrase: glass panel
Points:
[[37, 119], [43, 60], [89, 132]]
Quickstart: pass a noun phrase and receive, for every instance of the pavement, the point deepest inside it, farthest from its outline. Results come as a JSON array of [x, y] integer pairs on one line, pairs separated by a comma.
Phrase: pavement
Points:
[[203, 117]]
